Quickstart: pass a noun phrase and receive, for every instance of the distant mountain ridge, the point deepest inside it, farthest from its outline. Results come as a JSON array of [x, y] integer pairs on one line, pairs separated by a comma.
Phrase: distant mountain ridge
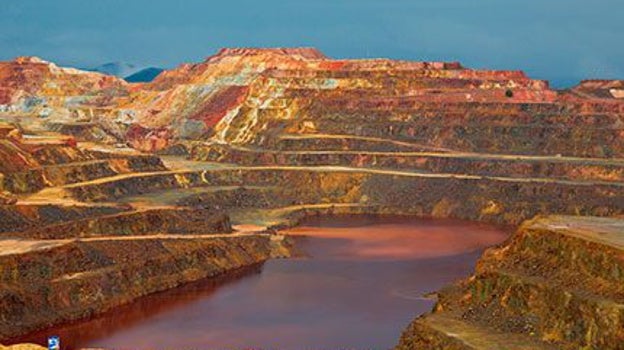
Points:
[[118, 69], [128, 71], [144, 76]]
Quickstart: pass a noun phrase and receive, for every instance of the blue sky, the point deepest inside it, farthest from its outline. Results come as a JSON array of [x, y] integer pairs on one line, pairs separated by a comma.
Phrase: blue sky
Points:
[[559, 40]]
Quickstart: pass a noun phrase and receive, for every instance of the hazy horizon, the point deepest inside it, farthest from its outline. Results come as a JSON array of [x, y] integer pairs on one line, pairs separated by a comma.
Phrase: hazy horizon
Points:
[[560, 41]]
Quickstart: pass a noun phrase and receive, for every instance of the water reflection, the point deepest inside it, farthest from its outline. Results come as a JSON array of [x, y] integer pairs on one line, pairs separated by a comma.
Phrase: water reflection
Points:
[[79, 334]]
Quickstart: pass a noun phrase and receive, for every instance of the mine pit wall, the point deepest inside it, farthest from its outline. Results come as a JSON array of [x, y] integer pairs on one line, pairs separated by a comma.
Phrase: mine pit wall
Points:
[[83, 131], [241, 198], [28, 181], [312, 143], [482, 165], [501, 139], [78, 172], [58, 154], [471, 197], [84, 278], [33, 180], [55, 165], [592, 263], [583, 130], [147, 222], [543, 283], [20, 217], [544, 309]]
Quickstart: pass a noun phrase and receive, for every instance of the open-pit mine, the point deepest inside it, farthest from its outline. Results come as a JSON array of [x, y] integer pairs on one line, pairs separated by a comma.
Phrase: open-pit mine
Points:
[[281, 199]]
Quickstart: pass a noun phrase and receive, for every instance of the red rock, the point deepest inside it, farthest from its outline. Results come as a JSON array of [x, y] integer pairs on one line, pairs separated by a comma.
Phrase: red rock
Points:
[[192, 100]]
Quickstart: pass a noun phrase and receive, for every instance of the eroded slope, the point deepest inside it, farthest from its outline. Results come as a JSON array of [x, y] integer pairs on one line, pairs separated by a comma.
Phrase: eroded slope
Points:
[[557, 284]]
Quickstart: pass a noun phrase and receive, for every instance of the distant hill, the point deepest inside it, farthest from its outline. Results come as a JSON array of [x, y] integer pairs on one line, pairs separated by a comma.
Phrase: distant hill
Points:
[[144, 75], [130, 72], [118, 69]]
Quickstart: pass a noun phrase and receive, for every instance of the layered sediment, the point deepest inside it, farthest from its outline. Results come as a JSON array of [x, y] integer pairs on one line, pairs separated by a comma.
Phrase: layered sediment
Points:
[[65, 258], [66, 280], [135, 223], [557, 284], [491, 199], [29, 166]]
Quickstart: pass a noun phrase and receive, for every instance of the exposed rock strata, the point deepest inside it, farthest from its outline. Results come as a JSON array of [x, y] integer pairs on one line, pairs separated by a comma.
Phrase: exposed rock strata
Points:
[[31, 216], [501, 200], [246, 96], [273, 112], [27, 166], [493, 165], [557, 284], [134, 223], [71, 279]]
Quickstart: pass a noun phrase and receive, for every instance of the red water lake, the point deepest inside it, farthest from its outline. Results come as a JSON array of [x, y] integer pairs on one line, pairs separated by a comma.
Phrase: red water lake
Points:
[[360, 286]]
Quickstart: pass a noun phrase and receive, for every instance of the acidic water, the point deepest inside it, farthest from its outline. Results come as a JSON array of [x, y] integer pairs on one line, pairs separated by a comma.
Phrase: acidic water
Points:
[[363, 282]]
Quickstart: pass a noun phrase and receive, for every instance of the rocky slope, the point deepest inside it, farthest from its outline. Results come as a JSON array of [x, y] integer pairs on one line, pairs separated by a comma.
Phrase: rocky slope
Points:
[[30, 85], [30, 164], [557, 284], [509, 146], [250, 96], [600, 89], [64, 280], [63, 258]]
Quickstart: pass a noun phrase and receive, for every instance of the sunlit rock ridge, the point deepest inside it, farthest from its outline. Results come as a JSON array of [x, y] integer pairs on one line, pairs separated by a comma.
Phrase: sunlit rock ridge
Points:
[[238, 95]]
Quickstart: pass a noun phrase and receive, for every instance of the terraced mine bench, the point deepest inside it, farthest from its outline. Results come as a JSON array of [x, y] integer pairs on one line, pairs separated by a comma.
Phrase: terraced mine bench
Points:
[[460, 163], [63, 259], [30, 169], [444, 109], [494, 199], [48, 282], [557, 284]]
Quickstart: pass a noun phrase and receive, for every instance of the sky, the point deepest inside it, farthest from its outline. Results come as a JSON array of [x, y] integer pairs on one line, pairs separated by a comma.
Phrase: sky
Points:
[[559, 40]]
